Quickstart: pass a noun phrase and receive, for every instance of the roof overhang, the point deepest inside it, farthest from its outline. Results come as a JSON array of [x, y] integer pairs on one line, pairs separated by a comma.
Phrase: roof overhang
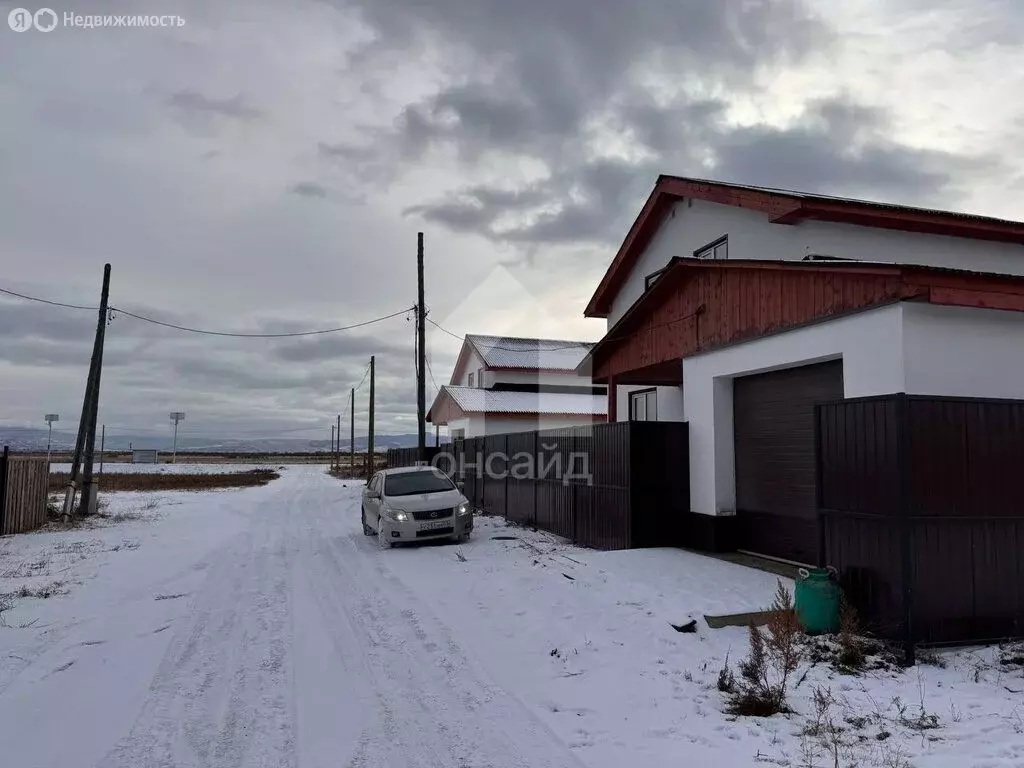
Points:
[[786, 208]]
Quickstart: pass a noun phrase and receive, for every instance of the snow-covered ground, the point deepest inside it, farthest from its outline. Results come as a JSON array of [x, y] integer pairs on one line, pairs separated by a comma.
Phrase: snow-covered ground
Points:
[[259, 627]]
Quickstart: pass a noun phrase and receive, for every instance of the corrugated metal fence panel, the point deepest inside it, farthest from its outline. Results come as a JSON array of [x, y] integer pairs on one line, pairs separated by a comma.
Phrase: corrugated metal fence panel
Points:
[[859, 505], [955, 490], [521, 487], [603, 508], [26, 492], [496, 464], [407, 457], [966, 495], [556, 498]]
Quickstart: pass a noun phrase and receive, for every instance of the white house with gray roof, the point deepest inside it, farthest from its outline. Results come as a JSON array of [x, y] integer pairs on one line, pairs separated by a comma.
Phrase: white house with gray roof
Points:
[[503, 384]]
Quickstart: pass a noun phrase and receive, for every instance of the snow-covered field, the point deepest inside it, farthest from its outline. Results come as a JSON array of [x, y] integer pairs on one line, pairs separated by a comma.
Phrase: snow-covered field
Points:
[[259, 627]]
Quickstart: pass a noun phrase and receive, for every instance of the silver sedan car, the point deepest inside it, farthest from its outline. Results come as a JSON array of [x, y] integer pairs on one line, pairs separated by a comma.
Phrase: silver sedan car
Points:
[[409, 504]]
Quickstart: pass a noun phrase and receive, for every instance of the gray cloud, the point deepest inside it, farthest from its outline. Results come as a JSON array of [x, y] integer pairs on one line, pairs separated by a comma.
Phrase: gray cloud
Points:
[[309, 189], [197, 103], [505, 130]]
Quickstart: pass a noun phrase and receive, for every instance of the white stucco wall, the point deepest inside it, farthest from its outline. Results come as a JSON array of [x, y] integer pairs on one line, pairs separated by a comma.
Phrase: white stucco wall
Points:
[[472, 365], [963, 352], [670, 402], [870, 345], [751, 236]]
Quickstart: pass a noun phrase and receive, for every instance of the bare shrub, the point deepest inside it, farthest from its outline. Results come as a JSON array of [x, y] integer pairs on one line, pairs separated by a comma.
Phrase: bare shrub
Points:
[[774, 657], [6, 603], [852, 656], [726, 678]]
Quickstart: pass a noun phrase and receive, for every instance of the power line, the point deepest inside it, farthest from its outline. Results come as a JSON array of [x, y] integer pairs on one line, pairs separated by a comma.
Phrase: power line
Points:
[[363, 380], [47, 301], [260, 335], [203, 331], [432, 376]]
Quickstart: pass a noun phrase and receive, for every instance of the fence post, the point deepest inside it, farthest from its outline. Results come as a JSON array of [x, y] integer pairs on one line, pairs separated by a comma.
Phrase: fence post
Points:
[[504, 484], [906, 529], [536, 475], [4, 458], [820, 516]]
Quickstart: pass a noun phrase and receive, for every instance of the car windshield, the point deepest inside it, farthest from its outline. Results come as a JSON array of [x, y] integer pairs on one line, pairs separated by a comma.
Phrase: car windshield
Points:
[[409, 483]]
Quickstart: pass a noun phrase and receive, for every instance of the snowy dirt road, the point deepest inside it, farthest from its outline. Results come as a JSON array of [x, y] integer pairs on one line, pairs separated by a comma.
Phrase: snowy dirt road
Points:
[[260, 628], [293, 645]]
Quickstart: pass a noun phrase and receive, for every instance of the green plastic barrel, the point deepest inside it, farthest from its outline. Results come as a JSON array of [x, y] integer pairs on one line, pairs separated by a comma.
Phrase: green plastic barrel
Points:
[[816, 601]]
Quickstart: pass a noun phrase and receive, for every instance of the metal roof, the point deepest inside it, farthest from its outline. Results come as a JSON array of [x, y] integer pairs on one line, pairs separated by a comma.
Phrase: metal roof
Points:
[[475, 400], [542, 354]]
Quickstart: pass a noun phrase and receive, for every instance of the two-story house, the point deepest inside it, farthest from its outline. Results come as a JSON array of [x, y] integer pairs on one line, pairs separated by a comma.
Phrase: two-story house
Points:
[[737, 308], [503, 384]]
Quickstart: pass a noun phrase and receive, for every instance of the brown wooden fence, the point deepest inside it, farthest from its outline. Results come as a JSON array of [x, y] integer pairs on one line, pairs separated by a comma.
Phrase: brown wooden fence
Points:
[[607, 486], [23, 490], [921, 505]]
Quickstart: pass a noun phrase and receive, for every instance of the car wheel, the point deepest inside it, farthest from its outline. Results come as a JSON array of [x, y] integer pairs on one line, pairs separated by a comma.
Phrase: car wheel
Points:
[[367, 530]]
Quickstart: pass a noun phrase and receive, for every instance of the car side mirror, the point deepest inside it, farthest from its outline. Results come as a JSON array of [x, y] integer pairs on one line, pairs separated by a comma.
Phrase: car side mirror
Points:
[[460, 485]]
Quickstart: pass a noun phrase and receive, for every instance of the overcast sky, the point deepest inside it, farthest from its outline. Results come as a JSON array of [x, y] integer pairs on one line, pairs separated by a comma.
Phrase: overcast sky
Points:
[[266, 168]]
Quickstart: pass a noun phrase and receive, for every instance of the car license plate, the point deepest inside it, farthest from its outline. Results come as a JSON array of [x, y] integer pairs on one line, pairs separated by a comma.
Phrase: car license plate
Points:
[[435, 526]]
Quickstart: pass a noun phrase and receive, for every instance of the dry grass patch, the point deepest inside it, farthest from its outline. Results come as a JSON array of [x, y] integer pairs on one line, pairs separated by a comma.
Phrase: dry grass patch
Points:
[[112, 482]]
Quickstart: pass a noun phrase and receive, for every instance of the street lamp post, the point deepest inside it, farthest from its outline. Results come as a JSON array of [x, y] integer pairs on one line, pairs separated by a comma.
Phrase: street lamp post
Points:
[[49, 418], [176, 416]]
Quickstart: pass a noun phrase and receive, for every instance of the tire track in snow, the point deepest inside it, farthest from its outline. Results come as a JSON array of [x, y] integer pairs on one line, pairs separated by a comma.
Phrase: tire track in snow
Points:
[[435, 708], [220, 694]]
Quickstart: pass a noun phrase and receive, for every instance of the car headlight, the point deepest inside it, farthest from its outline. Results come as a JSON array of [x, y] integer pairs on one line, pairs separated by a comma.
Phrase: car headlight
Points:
[[400, 516], [463, 509]]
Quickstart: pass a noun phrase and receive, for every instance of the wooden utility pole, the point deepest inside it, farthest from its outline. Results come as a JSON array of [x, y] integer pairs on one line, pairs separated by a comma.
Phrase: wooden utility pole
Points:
[[103, 444], [85, 443], [337, 446], [369, 440], [437, 435], [332, 446], [421, 357], [352, 434]]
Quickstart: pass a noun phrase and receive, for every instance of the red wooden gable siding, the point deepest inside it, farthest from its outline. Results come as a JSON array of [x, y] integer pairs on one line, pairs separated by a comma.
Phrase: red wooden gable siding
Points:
[[699, 305], [716, 307]]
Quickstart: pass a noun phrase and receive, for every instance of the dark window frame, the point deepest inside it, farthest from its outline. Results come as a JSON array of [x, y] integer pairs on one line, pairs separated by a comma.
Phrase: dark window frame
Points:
[[645, 393], [470, 380], [652, 278], [708, 251]]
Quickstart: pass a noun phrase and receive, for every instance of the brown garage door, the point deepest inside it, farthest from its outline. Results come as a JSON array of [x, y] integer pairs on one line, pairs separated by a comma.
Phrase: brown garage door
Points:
[[775, 463]]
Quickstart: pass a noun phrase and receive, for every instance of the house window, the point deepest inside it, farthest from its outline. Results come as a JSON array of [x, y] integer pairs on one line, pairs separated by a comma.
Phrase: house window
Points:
[[480, 377], [471, 379], [643, 405], [652, 278], [716, 250]]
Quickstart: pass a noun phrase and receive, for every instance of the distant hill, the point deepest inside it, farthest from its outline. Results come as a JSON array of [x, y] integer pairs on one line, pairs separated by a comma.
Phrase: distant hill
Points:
[[34, 439]]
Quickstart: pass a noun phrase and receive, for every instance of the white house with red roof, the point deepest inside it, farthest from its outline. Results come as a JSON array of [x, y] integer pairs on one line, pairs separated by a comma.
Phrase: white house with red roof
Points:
[[503, 384], [737, 308]]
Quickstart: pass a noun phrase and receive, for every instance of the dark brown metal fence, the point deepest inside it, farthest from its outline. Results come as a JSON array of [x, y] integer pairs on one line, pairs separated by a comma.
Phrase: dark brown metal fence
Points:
[[607, 486], [407, 457], [921, 505]]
